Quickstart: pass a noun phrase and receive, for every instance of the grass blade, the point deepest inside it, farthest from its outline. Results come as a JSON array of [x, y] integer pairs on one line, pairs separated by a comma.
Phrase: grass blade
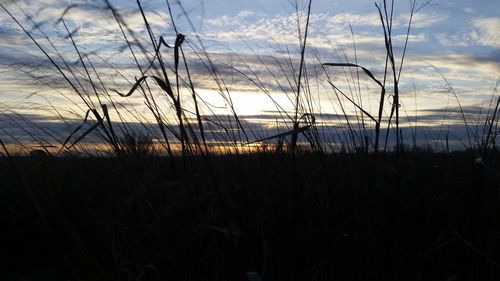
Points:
[[368, 72]]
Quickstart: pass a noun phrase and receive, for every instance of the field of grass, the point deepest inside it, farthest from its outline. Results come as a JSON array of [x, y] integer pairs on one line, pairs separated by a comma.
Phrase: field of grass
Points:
[[303, 217], [184, 193]]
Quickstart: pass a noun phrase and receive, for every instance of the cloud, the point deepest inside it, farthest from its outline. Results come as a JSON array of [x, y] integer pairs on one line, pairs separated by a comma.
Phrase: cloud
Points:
[[371, 20], [479, 67], [325, 31], [93, 24], [429, 128], [469, 10], [488, 31], [245, 13], [480, 32], [225, 21], [421, 19]]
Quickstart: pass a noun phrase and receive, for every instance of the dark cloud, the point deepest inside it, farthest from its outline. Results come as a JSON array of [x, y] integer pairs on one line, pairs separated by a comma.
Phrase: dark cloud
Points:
[[30, 129]]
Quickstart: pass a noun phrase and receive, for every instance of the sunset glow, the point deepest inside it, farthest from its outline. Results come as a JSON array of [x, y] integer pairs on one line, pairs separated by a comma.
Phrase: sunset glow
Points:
[[243, 59]]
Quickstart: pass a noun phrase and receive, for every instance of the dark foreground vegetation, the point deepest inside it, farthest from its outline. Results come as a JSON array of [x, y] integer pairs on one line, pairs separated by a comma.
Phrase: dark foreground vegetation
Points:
[[284, 217]]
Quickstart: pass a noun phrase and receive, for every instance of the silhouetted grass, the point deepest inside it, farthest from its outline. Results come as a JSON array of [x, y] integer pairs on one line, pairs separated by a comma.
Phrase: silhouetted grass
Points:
[[286, 211], [312, 217]]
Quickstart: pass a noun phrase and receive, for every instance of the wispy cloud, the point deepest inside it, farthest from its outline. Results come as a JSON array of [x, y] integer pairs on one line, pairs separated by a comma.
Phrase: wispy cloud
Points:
[[371, 19], [480, 32], [488, 30], [421, 19]]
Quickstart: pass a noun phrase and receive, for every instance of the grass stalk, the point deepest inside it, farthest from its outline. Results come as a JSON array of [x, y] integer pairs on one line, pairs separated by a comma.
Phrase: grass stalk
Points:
[[293, 142]]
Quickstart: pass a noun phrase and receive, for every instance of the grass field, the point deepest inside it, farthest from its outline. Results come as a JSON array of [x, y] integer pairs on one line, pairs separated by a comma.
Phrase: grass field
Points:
[[303, 217], [182, 189]]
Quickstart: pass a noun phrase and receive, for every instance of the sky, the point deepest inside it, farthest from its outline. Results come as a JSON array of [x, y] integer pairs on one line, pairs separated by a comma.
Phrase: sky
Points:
[[450, 71]]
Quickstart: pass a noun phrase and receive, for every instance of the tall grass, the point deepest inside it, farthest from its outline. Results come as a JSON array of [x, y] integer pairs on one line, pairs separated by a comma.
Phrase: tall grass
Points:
[[386, 13], [208, 211], [185, 121]]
